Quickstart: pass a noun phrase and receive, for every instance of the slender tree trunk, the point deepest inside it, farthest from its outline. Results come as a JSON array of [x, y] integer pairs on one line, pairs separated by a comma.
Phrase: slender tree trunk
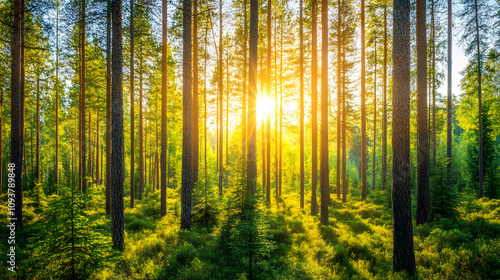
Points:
[[344, 133], [141, 128], [449, 108], [205, 116], [244, 93], [118, 167], [164, 95], [37, 172], [82, 104], [324, 180], [97, 150], [269, 85], [301, 89], [252, 102], [374, 120], [433, 75], [57, 102], [1, 140], [479, 95], [281, 109], [227, 116], [275, 110], [221, 108], [187, 172], [17, 141], [314, 109], [108, 108], [89, 166], [132, 110], [384, 106], [423, 190], [196, 133], [363, 106], [404, 255], [263, 148], [339, 95]]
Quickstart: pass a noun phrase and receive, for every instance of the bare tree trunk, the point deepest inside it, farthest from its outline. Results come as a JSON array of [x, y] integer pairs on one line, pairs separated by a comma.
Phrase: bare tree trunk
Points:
[[374, 120], [37, 172], [244, 93], [89, 166], [363, 106], [82, 104], [479, 95], [132, 110], [196, 133], [324, 180], [141, 128], [449, 108], [17, 139], [118, 167], [269, 85], [301, 89], [187, 172], [97, 180], [252, 102], [423, 190], [57, 101], [1, 140], [433, 75], [384, 106], [164, 79], [404, 255], [281, 111], [108, 108], [344, 133], [221, 108], [339, 95], [314, 109]]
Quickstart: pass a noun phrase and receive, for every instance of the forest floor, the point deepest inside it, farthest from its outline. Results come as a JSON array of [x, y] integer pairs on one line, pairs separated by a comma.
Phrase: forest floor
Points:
[[293, 244]]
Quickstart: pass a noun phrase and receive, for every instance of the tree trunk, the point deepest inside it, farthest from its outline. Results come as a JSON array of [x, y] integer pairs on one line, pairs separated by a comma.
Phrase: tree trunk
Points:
[[448, 121], [339, 95], [187, 172], [141, 128], [17, 141], [132, 109], [404, 255], [82, 103], [433, 75], [324, 180], [37, 172], [301, 89], [244, 92], [196, 133], [281, 110], [363, 106], [423, 190], [57, 101], [374, 119], [314, 109], [344, 134], [1, 140], [252, 100], [89, 166], [479, 95], [269, 85], [221, 108], [108, 108], [97, 179], [118, 168], [384, 106], [164, 79]]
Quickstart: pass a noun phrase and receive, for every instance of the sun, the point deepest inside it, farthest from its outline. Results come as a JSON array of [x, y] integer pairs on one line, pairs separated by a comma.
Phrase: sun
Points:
[[265, 107]]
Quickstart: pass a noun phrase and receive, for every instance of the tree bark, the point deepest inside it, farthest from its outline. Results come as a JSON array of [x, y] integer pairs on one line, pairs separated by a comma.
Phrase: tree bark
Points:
[[196, 135], [374, 120], [301, 89], [221, 101], [479, 95], [82, 102], [314, 109], [37, 172], [433, 75], [252, 102], [244, 92], [97, 180], [164, 102], [324, 180], [269, 85], [118, 167], [363, 106], [108, 108], [449, 108], [132, 109], [339, 95], [56, 169], [187, 172], [423, 190], [404, 255], [141, 128], [384, 106]]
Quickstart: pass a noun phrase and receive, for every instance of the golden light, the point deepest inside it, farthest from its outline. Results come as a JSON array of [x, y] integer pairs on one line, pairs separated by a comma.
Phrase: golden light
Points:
[[265, 107]]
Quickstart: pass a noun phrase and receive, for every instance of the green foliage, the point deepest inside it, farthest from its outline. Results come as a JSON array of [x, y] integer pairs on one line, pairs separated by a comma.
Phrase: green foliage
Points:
[[444, 194], [67, 243]]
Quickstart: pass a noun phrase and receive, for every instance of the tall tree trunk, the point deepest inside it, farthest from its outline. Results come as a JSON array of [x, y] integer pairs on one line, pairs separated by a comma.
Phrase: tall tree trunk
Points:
[[221, 108], [263, 149], [1, 140], [314, 109], [269, 83], [132, 109], [404, 255], [164, 80], [433, 75], [339, 95], [384, 106], [196, 133], [187, 172], [344, 131], [324, 180], [205, 118], [118, 167], [17, 139], [448, 121], [252, 102], [227, 116], [97, 179], [301, 89], [276, 110], [57, 100], [479, 95], [423, 190], [37, 172], [82, 102], [244, 92], [363, 106], [281, 110], [374, 118], [108, 108], [89, 166], [141, 128]]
